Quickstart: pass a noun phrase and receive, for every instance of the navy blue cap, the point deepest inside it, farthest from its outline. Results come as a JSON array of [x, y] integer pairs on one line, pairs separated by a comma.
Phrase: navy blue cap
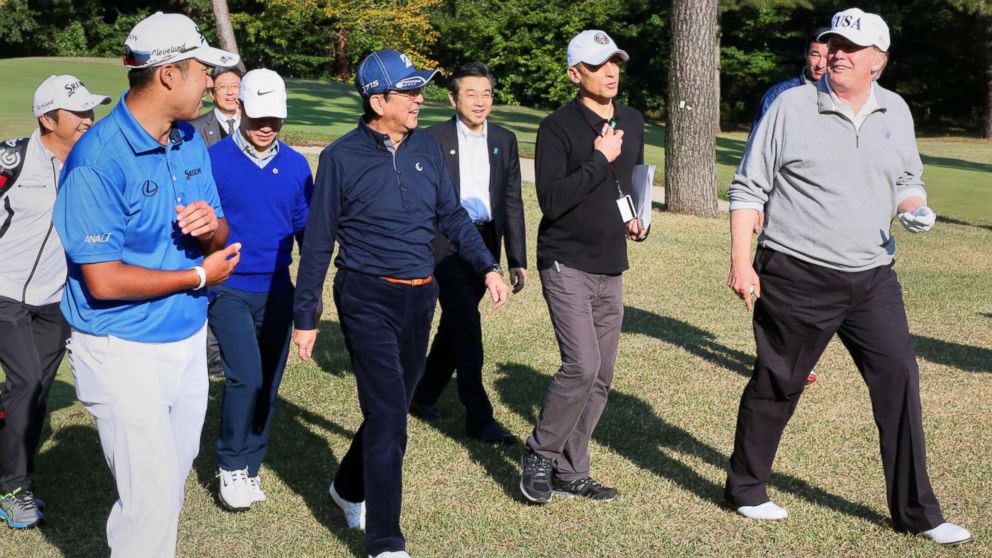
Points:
[[389, 69]]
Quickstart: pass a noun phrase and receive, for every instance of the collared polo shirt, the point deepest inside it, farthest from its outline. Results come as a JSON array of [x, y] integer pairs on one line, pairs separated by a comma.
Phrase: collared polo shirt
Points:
[[249, 150], [117, 201], [473, 171]]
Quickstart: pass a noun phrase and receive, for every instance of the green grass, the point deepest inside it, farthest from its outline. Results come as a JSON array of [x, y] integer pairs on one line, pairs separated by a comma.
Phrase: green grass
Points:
[[685, 351], [957, 169]]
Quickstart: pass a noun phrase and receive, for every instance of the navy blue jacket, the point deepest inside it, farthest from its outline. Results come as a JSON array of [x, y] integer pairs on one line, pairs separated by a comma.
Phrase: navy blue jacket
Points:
[[774, 91], [381, 208]]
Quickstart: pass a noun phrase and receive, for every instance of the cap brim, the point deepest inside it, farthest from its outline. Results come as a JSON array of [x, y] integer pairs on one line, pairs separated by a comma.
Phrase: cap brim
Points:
[[215, 57], [274, 108], [84, 102], [609, 54], [415, 80], [848, 34]]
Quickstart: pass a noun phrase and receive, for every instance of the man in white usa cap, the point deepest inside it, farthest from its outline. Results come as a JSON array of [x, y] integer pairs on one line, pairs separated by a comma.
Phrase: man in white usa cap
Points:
[[825, 266], [144, 233], [32, 329]]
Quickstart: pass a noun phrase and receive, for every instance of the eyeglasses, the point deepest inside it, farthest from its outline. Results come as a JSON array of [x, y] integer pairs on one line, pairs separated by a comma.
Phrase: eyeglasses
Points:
[[231, 88], [408, 93]]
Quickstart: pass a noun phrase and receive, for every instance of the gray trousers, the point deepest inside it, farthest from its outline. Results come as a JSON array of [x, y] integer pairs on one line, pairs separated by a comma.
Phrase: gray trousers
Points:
[[587, 312]]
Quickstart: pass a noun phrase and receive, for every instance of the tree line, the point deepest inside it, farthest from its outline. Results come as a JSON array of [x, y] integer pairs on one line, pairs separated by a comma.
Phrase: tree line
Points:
[[941, 58]]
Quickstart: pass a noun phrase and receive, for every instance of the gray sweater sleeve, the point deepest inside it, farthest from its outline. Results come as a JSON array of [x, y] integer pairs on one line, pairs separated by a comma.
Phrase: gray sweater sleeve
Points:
[[910, 182], [752, 182]]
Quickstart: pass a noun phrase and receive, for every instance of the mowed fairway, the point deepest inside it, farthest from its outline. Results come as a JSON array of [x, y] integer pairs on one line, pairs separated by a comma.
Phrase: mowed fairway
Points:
[[685, 355]]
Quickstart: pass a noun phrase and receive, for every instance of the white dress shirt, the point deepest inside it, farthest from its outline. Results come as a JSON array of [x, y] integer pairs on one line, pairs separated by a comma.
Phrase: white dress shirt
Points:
[[223, 118], [473, 171], [870, 106]]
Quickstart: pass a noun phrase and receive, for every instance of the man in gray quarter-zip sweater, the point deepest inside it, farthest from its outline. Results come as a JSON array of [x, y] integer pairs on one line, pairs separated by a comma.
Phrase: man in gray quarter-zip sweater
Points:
[[32, 273], [831, 164]]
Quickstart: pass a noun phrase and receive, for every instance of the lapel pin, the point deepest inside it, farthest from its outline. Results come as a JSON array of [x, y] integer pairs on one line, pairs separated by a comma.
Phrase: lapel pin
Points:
[[495, 151], [275, 171], [452, 152]]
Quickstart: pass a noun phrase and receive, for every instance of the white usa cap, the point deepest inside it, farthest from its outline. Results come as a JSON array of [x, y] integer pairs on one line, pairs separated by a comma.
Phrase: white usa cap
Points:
[[862, 29], [65, 92], [593, 47], [167, 38], [263, 93]]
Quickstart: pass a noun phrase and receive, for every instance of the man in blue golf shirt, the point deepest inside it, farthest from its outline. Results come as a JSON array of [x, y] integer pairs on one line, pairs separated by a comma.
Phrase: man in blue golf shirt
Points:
[[379, 191], [137, 212]]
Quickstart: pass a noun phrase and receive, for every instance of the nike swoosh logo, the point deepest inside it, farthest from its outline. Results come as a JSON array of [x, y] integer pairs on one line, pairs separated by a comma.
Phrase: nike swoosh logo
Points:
[[260, 93]]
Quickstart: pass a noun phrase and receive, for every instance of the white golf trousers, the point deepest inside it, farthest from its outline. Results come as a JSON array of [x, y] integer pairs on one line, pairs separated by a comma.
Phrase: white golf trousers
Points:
[[149, 401]]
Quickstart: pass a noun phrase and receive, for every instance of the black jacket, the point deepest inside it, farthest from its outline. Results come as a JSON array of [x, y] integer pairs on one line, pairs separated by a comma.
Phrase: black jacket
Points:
[[504, 189], [209, 128]]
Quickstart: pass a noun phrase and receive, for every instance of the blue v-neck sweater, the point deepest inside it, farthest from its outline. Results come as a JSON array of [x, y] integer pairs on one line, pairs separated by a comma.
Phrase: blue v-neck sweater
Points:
[[265, 209]]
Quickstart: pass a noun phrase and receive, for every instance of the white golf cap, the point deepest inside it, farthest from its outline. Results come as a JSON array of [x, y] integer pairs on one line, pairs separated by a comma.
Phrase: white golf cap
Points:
[[861, 28], [65, 92], [264, 94], [166, 38], [593, 47]]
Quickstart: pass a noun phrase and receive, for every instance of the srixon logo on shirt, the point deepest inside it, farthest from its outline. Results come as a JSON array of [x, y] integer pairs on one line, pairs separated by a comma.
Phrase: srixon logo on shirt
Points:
[[190, 173], [71, 88], [846, 21]]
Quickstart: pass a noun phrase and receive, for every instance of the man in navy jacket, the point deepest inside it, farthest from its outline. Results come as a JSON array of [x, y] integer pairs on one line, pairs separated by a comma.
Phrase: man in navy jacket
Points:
[[379, 191]]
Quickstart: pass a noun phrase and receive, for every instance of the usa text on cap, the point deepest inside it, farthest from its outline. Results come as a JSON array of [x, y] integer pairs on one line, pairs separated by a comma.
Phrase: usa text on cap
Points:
[[167, 38], [389, 69], [861, 28], [65, 92]]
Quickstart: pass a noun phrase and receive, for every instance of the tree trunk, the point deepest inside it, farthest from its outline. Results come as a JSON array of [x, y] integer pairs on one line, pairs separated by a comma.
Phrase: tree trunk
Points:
[[985, 21], [690, 152], [225, 32]]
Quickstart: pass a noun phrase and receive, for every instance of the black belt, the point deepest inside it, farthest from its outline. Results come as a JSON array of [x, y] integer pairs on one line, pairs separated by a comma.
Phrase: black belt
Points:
[[481, 224]]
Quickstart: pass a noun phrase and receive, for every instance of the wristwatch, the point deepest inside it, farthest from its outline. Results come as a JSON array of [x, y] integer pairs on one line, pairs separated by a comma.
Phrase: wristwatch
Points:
[[494, 267]]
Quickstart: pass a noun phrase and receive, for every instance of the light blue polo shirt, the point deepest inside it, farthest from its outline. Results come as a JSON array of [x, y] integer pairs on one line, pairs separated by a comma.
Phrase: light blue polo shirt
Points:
[[117, 201]]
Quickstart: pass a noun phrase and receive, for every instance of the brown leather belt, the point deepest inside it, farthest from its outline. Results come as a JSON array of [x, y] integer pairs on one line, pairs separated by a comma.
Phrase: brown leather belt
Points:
[[409, 282]]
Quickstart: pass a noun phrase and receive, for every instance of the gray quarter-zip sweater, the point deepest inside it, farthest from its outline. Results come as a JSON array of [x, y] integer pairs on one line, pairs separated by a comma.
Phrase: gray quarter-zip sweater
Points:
[[829, 190]]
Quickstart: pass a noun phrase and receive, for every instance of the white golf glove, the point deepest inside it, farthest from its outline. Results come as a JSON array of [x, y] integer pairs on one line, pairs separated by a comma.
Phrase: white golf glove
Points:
[[918, 221]]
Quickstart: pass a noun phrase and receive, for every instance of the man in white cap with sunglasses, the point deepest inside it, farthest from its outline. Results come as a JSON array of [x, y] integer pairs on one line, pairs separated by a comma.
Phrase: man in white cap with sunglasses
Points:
[[832, 164], [32, 329], [144, 233], [264, 187]]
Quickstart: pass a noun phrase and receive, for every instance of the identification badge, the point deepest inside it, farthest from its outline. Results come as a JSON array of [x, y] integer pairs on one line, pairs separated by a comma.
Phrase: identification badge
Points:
[[626, 206]]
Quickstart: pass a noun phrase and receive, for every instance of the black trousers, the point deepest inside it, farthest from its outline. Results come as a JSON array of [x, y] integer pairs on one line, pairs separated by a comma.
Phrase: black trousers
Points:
[[385, 328], [802, 305], [458, 342], [32, 342]]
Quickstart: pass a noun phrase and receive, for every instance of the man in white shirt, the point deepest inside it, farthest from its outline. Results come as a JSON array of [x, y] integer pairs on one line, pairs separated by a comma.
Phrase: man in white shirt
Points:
[[484, 164]]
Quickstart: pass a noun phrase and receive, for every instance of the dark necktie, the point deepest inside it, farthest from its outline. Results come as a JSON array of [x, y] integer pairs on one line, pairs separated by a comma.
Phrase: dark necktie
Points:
[[230, 126]]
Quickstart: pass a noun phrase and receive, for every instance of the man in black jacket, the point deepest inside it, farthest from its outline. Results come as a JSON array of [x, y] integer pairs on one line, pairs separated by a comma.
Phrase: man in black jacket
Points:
[[586, 153], [484, 164]]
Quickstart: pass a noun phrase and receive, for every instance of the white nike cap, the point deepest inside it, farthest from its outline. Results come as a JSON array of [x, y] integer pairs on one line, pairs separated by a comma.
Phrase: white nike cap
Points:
[[593, 47], [859, 27], [263, 93], [168, 38], [65, 92]]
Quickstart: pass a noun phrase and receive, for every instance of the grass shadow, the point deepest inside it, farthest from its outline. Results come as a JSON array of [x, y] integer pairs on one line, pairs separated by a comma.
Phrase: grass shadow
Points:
[[330, 353], [953, 221], [957, 164], [956, 355], [76, 519], [696, 341], [299, 456], [632, 428]]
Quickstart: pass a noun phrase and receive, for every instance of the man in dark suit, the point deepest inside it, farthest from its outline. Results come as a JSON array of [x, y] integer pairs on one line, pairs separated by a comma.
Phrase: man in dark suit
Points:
[[218, 123], [484, 164]]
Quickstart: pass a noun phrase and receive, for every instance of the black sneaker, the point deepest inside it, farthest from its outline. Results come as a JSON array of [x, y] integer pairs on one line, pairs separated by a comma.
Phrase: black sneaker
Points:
[[426, 413], [585, 487], [535, 480]]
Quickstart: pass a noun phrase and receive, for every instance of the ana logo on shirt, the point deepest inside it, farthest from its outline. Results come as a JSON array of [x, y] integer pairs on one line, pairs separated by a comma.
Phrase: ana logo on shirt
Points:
[[96, 238]]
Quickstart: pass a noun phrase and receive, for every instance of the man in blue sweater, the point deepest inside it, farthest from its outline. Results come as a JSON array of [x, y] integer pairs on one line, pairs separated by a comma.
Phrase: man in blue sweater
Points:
[[380, 190], [815, 68], [265, 189]]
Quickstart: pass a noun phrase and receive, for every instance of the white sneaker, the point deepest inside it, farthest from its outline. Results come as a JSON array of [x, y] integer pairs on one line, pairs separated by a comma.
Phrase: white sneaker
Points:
[[391, 554], [257, 495], [948, 533], [354, 513], [766, 511], [235, 490]]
